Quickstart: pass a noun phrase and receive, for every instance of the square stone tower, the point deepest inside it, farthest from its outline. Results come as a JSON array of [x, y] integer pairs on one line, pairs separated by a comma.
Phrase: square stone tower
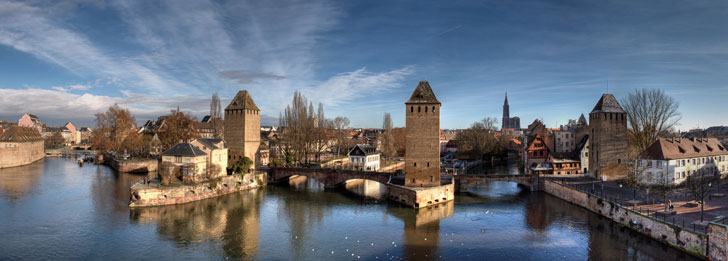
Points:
[[608, 138], [422, 159], [242, 128]]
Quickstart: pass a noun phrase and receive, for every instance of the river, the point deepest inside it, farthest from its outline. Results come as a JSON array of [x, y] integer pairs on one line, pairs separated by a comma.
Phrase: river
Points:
[[54, 209]]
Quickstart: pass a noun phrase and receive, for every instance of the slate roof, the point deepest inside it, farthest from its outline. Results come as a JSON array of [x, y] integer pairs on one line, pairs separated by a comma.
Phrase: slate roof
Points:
[[607, 104], [242, 100], [582, 143], [423, 94], [184, 149], [680, 148], [366, 149], [20, 134], [210, 143]]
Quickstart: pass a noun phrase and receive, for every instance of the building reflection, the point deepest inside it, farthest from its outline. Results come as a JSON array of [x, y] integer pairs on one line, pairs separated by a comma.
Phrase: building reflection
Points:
[[233, 219], [422, 229], [18, 181]]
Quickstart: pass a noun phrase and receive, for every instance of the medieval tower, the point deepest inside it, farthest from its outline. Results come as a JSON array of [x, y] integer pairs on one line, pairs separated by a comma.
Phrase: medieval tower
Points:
[[422, 159], [242, 128], [608, 137]]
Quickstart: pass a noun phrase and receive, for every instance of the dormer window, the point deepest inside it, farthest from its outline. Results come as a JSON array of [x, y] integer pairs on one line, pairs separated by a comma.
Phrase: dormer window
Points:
[[681, 149], [696, 149], [709, 148]]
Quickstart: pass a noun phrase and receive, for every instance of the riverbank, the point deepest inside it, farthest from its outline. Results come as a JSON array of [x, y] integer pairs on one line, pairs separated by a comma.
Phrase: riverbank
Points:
[[133, 166], [694, 243], [147, 195]]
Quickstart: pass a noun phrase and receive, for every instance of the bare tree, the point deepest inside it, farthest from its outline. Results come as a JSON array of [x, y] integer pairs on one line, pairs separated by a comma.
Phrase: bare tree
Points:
[[216, 116], [635, 170], [341, 128], [480, 139], [651, 114], [303, 130], [388, 147], [112, 129], [177, 127], [699, 184], [664, 186]]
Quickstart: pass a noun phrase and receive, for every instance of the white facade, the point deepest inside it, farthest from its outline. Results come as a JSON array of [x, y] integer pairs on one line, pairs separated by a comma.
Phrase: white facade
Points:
[[677, 170], [584, 157], [368, 162]]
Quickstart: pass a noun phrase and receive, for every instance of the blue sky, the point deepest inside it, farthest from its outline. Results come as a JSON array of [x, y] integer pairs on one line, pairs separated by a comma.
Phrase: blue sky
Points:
[[65, 61]]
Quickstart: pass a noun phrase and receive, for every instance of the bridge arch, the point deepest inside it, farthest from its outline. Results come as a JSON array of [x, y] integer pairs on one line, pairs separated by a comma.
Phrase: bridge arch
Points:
[[331, 178], [462, 182]]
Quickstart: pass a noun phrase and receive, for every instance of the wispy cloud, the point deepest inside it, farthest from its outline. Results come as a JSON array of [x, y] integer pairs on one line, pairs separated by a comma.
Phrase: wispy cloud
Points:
[[246, 77]]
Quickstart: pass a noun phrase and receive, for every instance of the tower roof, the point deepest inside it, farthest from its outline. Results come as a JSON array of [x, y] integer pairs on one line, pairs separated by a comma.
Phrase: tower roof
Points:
[[582, 119], [506, 102], [242, 100], [423, 94], [607, 104]]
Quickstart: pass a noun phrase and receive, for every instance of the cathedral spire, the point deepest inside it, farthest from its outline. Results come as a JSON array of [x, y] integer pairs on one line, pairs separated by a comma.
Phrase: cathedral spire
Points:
[[506, 102]]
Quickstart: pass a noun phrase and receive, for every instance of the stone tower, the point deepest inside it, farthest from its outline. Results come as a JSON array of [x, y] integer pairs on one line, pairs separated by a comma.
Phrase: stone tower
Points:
[[608, 137], [422, 159], [242, 128]]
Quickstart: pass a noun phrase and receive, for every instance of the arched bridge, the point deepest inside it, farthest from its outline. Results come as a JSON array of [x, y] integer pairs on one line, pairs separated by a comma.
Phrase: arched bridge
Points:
[[462, 182], [329, 177]]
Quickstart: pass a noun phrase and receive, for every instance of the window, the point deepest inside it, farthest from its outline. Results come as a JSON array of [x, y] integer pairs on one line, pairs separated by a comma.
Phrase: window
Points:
[[428, 164], [419, 109], [415, 164], [187, 159], [432, 179], [425, 108], [178, 159], [433, 108], [412, 108]]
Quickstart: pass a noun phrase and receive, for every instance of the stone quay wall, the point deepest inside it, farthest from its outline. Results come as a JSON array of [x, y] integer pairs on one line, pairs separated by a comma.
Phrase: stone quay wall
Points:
[[23, 153], [134, 166], [718, 243], [421, 197], [688, 241], [143, 195]]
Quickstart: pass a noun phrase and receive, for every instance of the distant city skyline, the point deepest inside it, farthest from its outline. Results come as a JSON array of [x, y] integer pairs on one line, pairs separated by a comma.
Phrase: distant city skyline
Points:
[[66, 61]]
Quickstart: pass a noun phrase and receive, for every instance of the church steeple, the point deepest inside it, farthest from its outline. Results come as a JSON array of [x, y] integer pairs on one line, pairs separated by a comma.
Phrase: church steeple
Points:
[[506, 109], [506, 102]]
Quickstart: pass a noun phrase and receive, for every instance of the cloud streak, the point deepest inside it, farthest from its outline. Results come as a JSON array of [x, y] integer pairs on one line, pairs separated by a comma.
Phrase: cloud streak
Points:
[[247, 77]]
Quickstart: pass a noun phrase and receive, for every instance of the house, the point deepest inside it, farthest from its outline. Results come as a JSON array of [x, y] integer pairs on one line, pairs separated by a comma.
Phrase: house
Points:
[[536, 152], [74, 135], [565, 163], [583, 149], [85, 134], [217, 155], [30, 120], [187, 161], [564, 140], [451, 146], [365, 157], [673, 160]]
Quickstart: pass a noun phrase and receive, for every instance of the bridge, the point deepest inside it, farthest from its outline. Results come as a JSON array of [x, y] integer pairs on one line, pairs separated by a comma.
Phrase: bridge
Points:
[[462, 182], [329, 177]]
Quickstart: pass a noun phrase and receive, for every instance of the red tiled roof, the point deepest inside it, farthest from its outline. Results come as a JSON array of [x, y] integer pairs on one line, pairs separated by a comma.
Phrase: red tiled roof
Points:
[[20, 134], [677, 148]]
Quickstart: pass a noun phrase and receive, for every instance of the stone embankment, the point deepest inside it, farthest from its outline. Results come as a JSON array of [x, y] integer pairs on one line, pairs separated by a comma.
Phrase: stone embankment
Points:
[[712, 246], [143, 195], [133, 166]]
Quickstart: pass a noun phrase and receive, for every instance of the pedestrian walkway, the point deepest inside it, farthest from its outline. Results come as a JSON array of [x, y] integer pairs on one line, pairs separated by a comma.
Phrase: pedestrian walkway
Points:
[[650, 202]]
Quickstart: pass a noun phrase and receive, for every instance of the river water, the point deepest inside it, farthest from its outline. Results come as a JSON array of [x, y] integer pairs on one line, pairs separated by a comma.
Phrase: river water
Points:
[[54, 209]]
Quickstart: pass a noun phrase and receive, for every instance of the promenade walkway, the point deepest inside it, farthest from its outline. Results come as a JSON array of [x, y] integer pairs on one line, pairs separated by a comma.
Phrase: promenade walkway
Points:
[[687, 211]]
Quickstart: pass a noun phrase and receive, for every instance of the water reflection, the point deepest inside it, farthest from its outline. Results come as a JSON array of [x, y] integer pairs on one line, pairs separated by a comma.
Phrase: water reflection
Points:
[[422, 229], [56, 210], [234, 220], [19, 181]]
